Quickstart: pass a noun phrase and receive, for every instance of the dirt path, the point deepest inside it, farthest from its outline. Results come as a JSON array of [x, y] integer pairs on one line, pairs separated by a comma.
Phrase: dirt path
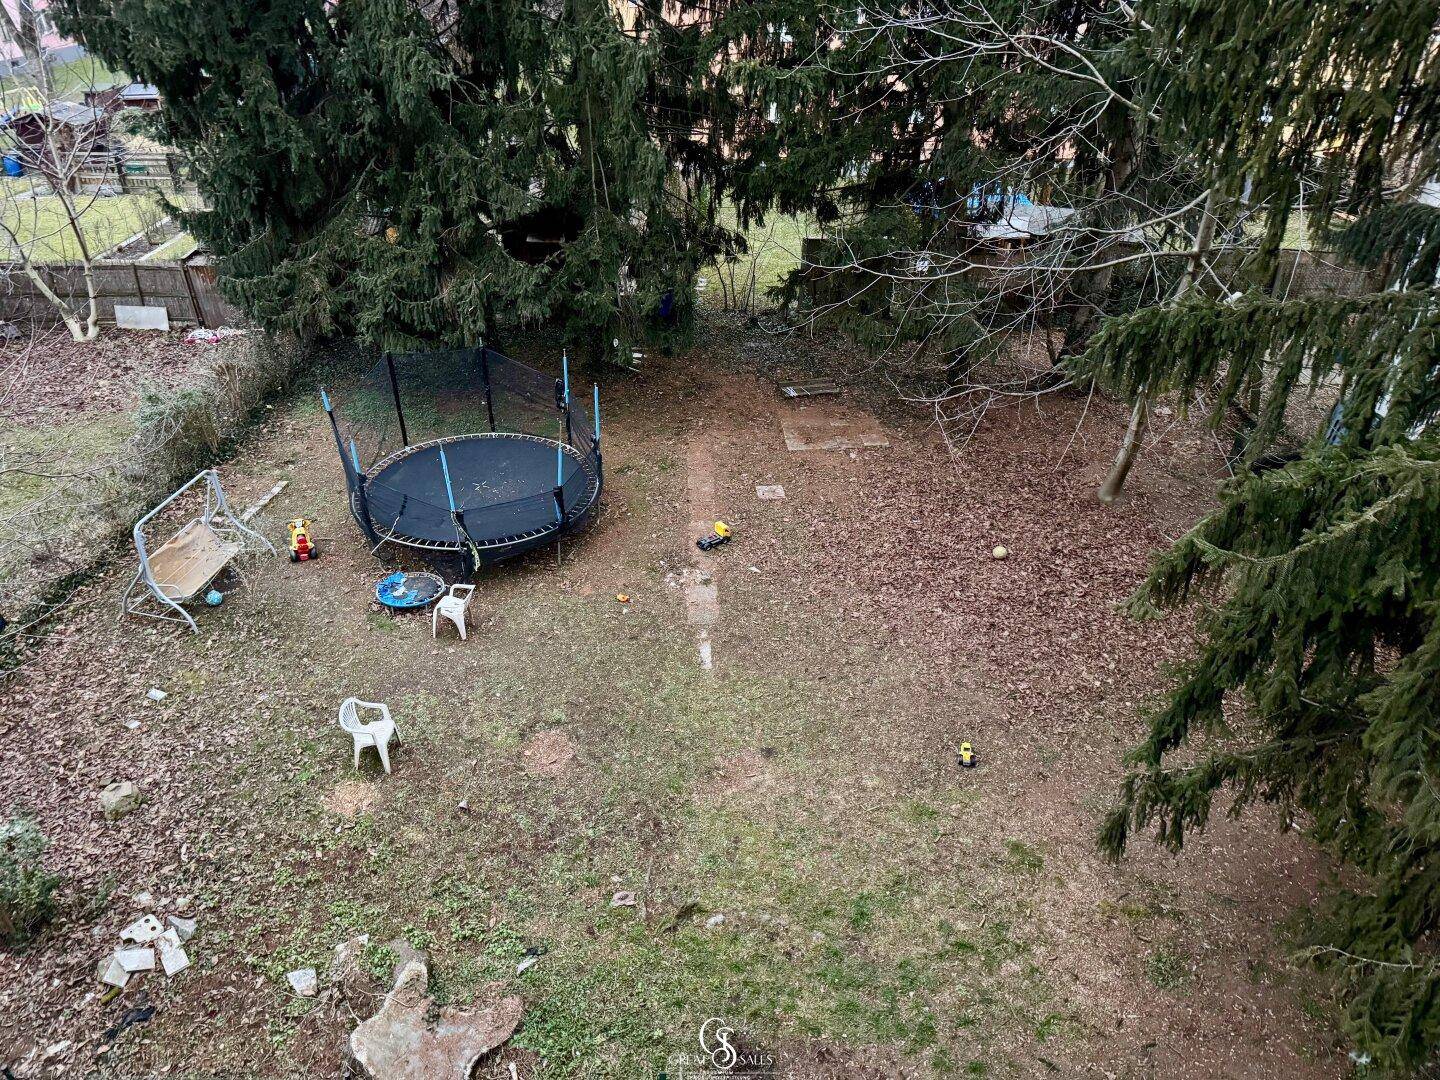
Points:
[[697, 582], [809, 861]]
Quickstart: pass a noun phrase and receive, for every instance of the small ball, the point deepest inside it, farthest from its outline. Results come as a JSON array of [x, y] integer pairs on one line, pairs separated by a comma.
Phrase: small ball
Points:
[[214, 597], [1000, 551]]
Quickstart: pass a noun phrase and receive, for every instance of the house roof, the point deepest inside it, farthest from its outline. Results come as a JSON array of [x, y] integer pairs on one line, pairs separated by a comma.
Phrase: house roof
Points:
[[64, 112], [129, 91], [1022, 219]]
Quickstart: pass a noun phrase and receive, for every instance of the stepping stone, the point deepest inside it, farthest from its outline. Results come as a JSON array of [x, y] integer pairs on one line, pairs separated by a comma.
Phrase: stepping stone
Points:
[[813, 388], [409, 1040], [120, 798], [817, 429]]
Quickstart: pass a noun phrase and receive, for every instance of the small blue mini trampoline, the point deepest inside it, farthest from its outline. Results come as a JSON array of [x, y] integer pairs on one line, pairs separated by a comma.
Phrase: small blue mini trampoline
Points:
[[409, 590]]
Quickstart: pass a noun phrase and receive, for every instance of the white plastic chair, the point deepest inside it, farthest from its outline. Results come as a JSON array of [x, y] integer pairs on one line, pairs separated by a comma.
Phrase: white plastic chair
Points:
[[454, 605], [377, 733]]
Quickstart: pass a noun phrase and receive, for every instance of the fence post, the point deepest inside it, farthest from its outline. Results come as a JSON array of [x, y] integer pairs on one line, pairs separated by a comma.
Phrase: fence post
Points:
[[395, 393], [195, 300]]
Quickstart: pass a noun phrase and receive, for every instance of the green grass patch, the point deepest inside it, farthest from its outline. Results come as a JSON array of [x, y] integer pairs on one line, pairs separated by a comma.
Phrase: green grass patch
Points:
[[1168, 968], [41, 225], [55, 454], [773, 251]]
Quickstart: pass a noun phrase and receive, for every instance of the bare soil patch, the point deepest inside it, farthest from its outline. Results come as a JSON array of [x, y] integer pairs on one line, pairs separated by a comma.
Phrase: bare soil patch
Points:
[[548, 753], [351, 798], [748, 770]]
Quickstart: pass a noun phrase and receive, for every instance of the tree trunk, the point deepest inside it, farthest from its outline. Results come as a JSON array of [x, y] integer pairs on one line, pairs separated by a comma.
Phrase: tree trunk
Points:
[[1096, 284], [1140, 414], [1134, 433]]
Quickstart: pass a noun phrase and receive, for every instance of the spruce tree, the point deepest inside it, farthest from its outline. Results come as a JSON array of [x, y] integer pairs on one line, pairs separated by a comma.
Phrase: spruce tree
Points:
[[418, 174], [1316, 684]]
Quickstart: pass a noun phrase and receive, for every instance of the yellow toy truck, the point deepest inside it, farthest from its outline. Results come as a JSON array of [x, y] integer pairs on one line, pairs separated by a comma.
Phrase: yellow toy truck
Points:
[[302, 543]]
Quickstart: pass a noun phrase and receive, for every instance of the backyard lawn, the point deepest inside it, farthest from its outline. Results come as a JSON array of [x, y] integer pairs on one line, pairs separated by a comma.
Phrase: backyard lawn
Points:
[[70, 80], [772, 251], [807, 860], [41, 225]]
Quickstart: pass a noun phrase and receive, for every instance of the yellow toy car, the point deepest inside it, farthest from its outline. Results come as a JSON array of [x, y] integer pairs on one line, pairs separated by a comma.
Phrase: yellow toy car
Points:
[[967, 756], [721, 535], [302, 544]]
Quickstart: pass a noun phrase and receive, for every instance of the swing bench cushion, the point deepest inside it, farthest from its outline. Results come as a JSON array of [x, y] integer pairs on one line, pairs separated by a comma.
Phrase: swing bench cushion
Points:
[[190, 559]]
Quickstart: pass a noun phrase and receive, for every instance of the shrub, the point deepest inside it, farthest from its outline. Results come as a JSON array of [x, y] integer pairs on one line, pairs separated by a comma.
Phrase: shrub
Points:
[[27, 891], [180, 430]]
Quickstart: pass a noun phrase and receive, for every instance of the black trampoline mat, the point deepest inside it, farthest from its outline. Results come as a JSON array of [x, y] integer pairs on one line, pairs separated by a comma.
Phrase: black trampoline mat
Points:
[[503, 484]]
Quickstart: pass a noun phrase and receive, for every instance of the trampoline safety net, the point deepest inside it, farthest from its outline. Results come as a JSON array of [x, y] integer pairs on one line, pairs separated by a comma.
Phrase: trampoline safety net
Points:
[[468, 451]]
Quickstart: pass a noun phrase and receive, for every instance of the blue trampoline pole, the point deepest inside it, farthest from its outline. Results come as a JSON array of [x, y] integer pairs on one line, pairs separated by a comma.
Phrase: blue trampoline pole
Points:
[[461, 536], [597, 414], [445, 471], [565, 370], [362, 500]]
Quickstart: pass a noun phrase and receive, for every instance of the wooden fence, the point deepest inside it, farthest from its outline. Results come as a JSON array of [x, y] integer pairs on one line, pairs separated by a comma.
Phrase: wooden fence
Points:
[[186, 290], [137, 172], [1297, 273]]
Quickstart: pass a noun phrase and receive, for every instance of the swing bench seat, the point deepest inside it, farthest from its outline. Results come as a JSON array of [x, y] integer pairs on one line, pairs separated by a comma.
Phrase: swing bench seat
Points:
[[189, 560]]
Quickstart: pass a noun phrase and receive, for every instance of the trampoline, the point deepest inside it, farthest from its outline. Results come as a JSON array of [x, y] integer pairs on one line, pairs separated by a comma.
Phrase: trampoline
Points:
[[466, 452]]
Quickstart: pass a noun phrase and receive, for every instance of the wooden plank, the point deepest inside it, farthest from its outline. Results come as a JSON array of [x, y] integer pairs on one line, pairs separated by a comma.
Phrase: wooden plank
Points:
[[160, 279]]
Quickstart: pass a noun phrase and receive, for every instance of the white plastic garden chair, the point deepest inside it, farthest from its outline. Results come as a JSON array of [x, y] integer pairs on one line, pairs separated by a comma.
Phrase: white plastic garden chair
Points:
[[454, 605], [377, 733]]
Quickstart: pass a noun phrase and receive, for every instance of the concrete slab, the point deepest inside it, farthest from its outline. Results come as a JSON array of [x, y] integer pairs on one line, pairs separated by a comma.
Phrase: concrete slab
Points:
[[412, 1039], [135, 317], [829, 428]]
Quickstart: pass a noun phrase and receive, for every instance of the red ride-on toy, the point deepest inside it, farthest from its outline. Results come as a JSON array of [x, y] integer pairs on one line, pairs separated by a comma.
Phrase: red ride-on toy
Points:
[[302, 544]]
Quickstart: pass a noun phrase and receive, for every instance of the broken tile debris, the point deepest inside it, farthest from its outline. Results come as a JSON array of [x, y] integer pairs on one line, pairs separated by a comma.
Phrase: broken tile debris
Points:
[[111, 972], [184, 928], [812, 388], [143, 930], [136, 953], [133, 960]]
